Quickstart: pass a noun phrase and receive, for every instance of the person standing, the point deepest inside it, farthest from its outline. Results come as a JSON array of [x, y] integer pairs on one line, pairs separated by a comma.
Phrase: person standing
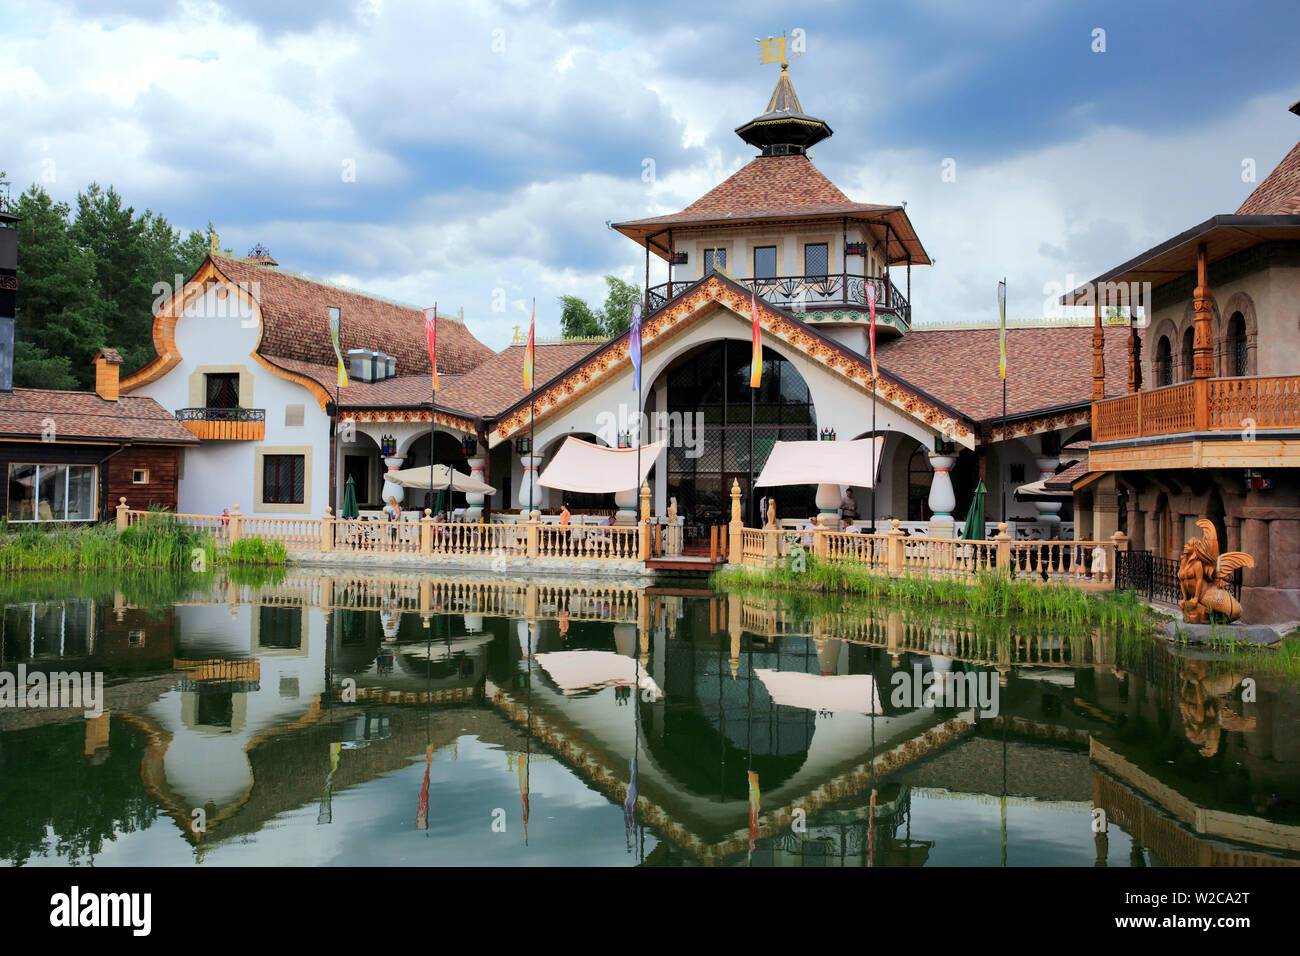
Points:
[[848, 507]]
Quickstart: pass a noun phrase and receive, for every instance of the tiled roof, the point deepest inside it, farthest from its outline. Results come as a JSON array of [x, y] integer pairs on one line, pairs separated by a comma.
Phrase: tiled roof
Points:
[[1046, 367], [498, 383], [111, 356], [27, 413], [1062, 480], [294, 323], [402, 390], [1279, 193], [769, 186]]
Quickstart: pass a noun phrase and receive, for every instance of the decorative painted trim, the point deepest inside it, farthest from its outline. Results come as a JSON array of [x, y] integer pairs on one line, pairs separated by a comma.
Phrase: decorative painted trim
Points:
[[1039, 425], [683, 312], [164, 325], [453, 422]]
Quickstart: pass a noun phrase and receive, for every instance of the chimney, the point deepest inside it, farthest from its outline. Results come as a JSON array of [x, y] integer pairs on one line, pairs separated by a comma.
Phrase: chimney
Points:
[[106, 363]]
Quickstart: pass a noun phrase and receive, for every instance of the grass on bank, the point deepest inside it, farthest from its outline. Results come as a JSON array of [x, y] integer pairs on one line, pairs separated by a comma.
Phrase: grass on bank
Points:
[[990, 595], [155, 542]]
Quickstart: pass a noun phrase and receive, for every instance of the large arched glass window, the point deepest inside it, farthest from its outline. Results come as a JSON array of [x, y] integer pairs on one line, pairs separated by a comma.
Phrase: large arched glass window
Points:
[[713, 382]]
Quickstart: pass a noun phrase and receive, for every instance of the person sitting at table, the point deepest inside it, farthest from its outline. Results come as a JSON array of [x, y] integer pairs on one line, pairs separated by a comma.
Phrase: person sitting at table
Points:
[[851, 527], [848, 507], [565, 515]]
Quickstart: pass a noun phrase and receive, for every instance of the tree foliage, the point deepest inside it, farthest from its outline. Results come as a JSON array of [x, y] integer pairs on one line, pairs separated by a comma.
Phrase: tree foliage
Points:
[[580, 320], [86, 280]]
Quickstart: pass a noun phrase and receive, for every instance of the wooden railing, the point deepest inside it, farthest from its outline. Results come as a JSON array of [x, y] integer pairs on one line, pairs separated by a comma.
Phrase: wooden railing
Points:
[[898, 554], [528, 539], [1213, 404]]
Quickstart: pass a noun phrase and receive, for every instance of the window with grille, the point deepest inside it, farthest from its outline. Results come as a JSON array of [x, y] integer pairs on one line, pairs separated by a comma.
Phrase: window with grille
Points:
[[283, 478], [1189, 352], [765, 262], [1236, 358], [816, 259], [715, 259], [222, 390], [1164, 362]]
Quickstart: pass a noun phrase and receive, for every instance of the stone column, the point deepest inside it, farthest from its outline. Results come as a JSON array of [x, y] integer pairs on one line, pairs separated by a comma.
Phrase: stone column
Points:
[[1049, 512], [942, 499], [828, 504], [1233, 526], [1151, 531], [528, 497], [1105, 509], [474, 501], [1137, 526], [1178, 532], [392, 489], [1254, 541]]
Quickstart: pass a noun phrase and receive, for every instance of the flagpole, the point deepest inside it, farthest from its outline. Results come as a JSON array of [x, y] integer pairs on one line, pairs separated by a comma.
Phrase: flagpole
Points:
[[433, 401], [1002, 452], [873, 454], [532, 391]]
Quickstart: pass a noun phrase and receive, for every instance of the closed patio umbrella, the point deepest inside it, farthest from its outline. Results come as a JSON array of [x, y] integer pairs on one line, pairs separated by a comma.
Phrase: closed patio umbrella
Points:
[[350, 499], [975, 517]]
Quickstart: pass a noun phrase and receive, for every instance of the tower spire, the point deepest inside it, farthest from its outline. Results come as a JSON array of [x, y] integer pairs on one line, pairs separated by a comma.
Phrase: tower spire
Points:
[[784, 129]]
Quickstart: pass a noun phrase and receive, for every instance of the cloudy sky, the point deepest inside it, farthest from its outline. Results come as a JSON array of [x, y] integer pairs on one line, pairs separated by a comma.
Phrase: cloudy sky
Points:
[[447, 151]]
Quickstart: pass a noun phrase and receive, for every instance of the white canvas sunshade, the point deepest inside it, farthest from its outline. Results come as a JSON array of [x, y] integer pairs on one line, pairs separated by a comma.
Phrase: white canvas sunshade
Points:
[[850, 692], [578, 671], [583, 467], [442, 474], [821, 462]]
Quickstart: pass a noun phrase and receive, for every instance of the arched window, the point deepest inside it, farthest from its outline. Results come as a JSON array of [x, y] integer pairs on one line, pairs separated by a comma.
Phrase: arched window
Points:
[[920, 473], [1164, 362], [1189, 350], [1235, 346]]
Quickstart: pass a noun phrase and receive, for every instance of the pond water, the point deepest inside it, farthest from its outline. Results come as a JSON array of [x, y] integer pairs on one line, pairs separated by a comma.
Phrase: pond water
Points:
[[312, 719]]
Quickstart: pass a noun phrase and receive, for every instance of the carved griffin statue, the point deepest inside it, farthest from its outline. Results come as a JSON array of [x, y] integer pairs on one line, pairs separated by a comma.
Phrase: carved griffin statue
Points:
[[1202, 573]]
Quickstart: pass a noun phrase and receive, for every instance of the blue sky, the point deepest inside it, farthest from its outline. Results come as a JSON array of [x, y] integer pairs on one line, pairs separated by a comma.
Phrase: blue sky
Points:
[[481, 169]]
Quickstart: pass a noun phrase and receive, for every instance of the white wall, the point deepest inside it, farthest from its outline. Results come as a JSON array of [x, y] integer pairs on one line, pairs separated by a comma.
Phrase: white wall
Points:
[[220, 474]]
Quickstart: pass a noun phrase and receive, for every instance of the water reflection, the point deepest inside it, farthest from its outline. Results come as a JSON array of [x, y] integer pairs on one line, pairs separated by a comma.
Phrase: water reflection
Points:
[[313, 718]]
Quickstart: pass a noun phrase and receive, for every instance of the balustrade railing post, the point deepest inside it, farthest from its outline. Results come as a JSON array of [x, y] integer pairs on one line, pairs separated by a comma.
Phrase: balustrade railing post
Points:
[[236, 524], [327, 530], [1004, 550], [735, 529], [820, 542], [895, 549], [122, 514], [533, 532], [426, 532]]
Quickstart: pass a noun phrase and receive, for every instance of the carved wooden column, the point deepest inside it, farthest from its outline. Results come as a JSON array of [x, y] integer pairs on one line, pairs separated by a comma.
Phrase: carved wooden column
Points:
[[1098, 352], [1203, 305]]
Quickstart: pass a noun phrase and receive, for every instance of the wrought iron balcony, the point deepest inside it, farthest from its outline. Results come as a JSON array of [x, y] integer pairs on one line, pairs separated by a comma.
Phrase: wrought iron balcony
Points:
[[807, 293], [224, 424]]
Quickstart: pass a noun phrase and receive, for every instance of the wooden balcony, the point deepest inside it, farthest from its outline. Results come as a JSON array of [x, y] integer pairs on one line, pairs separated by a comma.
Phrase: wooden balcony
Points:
[[1190, 414], [807, 293], [224, 424]]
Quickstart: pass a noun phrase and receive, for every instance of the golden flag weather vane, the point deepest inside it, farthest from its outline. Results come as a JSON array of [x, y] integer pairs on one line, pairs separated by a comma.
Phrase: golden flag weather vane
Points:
[[783, 48]]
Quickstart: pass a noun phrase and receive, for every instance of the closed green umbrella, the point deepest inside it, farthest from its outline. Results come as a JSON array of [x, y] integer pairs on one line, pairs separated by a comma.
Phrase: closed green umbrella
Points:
[[350, 499], [975, 517]]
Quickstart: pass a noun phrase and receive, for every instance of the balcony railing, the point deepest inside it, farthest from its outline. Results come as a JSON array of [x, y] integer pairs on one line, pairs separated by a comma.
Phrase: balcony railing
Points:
[[1210, 404], [224, 424], [800, 293]]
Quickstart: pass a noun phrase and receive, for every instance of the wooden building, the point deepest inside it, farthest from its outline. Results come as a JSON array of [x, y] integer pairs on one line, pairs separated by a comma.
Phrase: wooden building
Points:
[[1208, 425], [69, 456]]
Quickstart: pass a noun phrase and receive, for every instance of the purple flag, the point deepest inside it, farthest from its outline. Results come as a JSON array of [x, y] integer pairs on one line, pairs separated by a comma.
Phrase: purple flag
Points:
[[634, 346]]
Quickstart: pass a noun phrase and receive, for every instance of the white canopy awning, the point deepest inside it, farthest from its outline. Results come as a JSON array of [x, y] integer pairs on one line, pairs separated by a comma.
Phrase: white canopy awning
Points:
[[850, 692], [583, 467], [821, 462], [1037, 490], [577, 671]]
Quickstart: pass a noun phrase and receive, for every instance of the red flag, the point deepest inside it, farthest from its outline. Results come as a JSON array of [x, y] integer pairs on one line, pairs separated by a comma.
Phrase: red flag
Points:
[[756, 360], [528, 352], [431, 334]]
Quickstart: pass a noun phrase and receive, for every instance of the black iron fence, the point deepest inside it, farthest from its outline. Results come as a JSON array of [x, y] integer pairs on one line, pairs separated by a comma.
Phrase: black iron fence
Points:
[[1156, 578], [221, 414], [798, 293]]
